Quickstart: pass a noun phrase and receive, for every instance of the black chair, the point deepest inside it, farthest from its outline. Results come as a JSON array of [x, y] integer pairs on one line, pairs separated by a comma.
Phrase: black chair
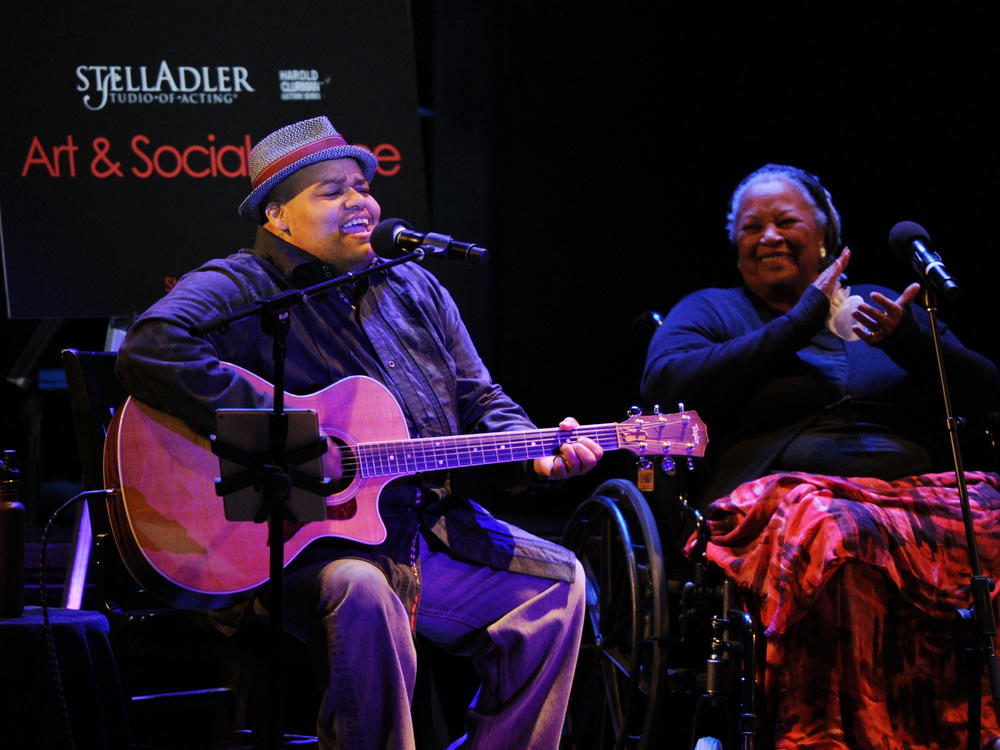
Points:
[[183, 676]]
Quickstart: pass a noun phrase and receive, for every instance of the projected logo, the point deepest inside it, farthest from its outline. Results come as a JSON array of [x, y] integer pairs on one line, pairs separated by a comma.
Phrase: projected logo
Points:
[[102, 85]]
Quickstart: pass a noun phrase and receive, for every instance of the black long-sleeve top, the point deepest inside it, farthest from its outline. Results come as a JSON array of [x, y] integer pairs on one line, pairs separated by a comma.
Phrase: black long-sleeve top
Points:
[[781, 392]]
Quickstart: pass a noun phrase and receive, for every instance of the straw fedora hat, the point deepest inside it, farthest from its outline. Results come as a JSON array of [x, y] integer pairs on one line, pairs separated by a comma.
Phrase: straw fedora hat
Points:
[[292, 147]]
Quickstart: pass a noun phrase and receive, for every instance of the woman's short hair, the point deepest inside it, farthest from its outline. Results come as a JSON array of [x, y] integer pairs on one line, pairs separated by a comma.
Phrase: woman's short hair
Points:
[[826, 214]]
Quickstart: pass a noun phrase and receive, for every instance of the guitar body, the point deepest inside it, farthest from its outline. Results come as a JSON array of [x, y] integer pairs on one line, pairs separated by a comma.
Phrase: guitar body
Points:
[[170, 526]]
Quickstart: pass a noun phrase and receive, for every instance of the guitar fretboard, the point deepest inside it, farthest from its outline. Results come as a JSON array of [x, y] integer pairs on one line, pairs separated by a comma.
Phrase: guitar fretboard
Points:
[[404, 457], [432, 454]]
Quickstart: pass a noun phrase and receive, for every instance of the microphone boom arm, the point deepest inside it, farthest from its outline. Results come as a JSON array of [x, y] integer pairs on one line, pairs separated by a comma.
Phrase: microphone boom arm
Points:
[[286, 300]]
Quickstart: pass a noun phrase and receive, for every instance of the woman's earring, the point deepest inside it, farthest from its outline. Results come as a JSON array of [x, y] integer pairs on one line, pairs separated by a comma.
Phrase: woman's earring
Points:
[[822, 252]]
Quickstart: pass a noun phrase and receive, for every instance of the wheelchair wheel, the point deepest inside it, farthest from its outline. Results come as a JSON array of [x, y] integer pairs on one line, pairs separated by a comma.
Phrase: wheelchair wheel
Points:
[[617, 686]]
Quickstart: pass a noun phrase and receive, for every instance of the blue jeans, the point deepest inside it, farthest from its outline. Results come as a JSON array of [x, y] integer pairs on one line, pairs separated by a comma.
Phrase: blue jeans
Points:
[[521, 633]]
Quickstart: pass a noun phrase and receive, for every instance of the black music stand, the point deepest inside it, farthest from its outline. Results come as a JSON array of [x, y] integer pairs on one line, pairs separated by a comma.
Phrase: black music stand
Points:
[[258, 482], [242, 443]]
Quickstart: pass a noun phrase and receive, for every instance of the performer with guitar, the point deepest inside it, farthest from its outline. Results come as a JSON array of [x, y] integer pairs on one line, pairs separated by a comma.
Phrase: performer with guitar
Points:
[[445, 568]]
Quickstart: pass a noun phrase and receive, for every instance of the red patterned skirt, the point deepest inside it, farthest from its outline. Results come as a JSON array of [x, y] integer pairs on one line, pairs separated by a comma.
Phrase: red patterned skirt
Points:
[[858, 584]]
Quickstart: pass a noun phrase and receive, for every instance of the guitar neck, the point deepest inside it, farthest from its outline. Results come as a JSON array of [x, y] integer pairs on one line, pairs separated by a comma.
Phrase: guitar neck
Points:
[[406, 457]]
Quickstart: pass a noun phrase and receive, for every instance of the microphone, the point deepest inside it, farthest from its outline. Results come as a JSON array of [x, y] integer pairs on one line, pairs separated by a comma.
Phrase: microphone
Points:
[[390, 235], [910, 242]]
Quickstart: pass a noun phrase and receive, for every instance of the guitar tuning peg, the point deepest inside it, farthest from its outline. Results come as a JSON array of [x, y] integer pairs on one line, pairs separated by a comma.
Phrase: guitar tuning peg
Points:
[[680, 406], [656, 409], [668, 465], [644, 463], [634, 411], [690, 464]]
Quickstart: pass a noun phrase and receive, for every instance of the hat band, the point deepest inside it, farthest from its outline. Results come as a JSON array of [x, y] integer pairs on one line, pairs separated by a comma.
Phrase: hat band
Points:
[[293, 156]]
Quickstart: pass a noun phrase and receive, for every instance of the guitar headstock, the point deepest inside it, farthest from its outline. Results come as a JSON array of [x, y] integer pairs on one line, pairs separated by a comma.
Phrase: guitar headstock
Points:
[[679, 434]]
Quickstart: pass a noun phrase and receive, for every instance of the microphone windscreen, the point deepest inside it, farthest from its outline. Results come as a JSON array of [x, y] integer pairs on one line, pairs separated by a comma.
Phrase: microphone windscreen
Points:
[[903, 234], [383, 237]]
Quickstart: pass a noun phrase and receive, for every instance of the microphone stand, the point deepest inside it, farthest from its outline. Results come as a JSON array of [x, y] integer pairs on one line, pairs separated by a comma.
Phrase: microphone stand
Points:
[[277, 484], [981, 651]]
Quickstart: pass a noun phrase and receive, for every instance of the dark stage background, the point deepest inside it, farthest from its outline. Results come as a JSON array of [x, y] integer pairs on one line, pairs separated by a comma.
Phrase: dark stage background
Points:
[[592, 148]]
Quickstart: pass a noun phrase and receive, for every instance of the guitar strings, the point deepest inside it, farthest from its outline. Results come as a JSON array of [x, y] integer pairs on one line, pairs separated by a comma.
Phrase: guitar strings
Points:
[[404, 457]]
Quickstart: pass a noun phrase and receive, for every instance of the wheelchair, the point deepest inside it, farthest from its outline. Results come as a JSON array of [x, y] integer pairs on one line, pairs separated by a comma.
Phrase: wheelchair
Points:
[[669, 657]]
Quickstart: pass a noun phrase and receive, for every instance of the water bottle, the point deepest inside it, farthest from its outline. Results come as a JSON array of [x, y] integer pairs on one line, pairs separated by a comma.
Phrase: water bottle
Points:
[[12, 522]]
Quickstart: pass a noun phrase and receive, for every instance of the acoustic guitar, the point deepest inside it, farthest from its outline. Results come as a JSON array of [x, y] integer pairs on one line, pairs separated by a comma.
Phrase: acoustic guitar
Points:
[[170, 526]]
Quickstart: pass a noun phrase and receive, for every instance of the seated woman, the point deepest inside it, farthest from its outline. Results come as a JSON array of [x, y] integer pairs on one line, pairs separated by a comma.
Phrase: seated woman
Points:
[[836, 506]]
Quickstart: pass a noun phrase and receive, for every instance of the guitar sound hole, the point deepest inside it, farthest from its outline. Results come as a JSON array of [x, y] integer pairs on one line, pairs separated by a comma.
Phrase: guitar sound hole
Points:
[[345, 461]]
